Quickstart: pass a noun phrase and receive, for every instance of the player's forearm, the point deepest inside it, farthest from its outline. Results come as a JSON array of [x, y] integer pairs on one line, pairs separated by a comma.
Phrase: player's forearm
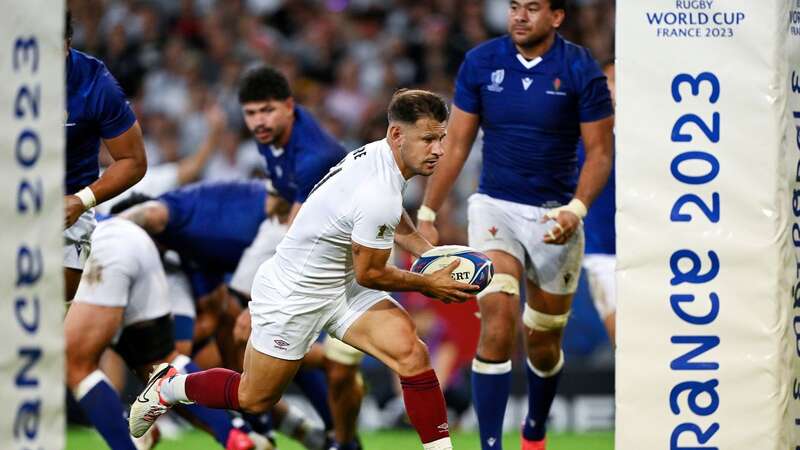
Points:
[[189, 168], [390, 278], [120, 175], [407, 237], [594, 173]]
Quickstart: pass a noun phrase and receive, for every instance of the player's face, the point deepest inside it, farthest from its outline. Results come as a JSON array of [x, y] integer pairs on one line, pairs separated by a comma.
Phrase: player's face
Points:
[[268, 120], [530, 22], [421, 145]]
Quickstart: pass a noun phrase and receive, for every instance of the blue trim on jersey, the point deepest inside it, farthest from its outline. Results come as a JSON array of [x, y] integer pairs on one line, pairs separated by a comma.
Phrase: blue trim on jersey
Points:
[[96, 109], [211, 224], [531, 117], [305, 159]]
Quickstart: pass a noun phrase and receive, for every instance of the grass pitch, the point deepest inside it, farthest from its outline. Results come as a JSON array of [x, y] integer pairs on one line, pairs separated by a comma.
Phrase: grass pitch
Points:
[[87, 439]]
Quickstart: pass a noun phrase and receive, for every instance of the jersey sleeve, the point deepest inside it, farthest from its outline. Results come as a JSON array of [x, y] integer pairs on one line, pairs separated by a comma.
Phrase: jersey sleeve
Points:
[[375, 218], [310, 170], [468, 89], [595, 98], [112, 111]]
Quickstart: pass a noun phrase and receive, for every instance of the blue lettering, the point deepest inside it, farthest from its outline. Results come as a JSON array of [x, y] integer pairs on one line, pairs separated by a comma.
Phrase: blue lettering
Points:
[[693, 275], [695, 389], [23, 158], [32, 324], [27, 419], [684, 362], [29, 266], [695, 155], [676, 300], [25, 48], [702, 436], [32, 355]]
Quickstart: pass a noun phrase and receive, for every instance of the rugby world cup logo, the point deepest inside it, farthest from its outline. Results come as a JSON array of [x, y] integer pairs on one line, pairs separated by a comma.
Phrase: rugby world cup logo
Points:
[[497, 79]]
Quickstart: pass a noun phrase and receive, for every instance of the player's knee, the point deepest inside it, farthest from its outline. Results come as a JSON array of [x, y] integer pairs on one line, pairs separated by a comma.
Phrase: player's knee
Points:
[[413, 358], [497, 338], [253, 403], [545, 354], [341, 375]]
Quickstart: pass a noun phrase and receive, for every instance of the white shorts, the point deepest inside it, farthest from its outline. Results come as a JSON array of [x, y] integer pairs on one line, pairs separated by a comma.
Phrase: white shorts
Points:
[[124, 270], [602, 286], [270, 234], [515, 228], [286, 327], [78, 241]]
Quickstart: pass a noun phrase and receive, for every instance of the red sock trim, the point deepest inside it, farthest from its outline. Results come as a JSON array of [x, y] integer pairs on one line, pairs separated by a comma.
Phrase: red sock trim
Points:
[[425, 406], [215, 388]]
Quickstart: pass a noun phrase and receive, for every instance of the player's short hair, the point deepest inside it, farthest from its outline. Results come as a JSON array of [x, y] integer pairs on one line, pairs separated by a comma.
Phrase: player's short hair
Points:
[[132, 200], [263, 83], [410, 105], [558, 4], [68, 29]]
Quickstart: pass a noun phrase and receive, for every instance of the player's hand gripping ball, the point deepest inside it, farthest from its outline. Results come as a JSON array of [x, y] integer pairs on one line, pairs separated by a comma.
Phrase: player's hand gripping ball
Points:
[[475, 267]]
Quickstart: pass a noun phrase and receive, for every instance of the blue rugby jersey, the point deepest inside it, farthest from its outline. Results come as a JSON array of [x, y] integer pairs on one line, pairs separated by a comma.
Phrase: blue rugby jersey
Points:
[[211, 224], [306, 158], [530, 113], [96, 109], [598, 225]]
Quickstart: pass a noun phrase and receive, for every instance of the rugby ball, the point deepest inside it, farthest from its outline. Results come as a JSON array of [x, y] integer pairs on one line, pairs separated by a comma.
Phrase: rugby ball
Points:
[[475, 268]]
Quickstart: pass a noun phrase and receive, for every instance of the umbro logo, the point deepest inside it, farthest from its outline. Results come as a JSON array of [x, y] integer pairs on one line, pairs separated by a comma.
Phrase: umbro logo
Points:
[[444, 428], [281, 344]]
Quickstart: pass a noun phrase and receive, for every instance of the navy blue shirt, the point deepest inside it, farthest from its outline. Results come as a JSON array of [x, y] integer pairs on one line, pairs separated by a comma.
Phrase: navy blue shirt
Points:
[[96, 109], [211, 224], [530, 113], [598, 225], [306, 158]]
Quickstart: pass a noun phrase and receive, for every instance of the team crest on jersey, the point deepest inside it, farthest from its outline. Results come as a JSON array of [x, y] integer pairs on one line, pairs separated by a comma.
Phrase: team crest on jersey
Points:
[[497, 80], [556, 88], [382, 232]]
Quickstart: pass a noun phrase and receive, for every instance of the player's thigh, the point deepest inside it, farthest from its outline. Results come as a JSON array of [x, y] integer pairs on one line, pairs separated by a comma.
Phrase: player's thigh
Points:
[[264, 377], [387, 332], [88, 330], [600, 272], [72, 278], [554, 269]]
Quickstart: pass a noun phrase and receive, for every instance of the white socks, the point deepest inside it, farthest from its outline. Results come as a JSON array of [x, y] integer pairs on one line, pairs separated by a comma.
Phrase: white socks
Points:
[[439, 444], [173, 390]]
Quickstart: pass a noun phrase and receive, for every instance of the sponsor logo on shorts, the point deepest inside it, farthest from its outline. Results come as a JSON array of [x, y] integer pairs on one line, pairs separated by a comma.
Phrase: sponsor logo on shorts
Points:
[[382, 232], [443, 428], [280, 344], [493, 231]]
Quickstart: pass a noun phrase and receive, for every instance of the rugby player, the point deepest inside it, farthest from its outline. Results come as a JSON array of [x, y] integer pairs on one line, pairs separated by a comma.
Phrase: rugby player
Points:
[[96, 110], [298, 153], [122, 302], [534, 94], [330, 272]]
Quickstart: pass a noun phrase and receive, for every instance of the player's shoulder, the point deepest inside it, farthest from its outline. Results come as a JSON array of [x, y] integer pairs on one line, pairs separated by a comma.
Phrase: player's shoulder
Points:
[[488, 51], [309, 131], [86, 65], [578, 58]]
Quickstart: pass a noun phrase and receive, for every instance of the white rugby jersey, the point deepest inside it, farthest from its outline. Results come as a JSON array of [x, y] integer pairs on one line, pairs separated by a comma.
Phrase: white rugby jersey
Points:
[[360, 200]]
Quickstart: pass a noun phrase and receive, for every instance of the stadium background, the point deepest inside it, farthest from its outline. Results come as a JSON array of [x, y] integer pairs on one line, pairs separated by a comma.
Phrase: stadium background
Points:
[[177, 60]]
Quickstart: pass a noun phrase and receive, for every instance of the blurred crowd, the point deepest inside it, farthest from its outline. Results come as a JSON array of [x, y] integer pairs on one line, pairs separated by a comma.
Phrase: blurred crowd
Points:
[[179, 62], [177, 58]]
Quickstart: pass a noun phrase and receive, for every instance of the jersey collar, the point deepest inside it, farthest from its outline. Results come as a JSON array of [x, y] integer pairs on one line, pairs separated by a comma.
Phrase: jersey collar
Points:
[[551, 52]]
